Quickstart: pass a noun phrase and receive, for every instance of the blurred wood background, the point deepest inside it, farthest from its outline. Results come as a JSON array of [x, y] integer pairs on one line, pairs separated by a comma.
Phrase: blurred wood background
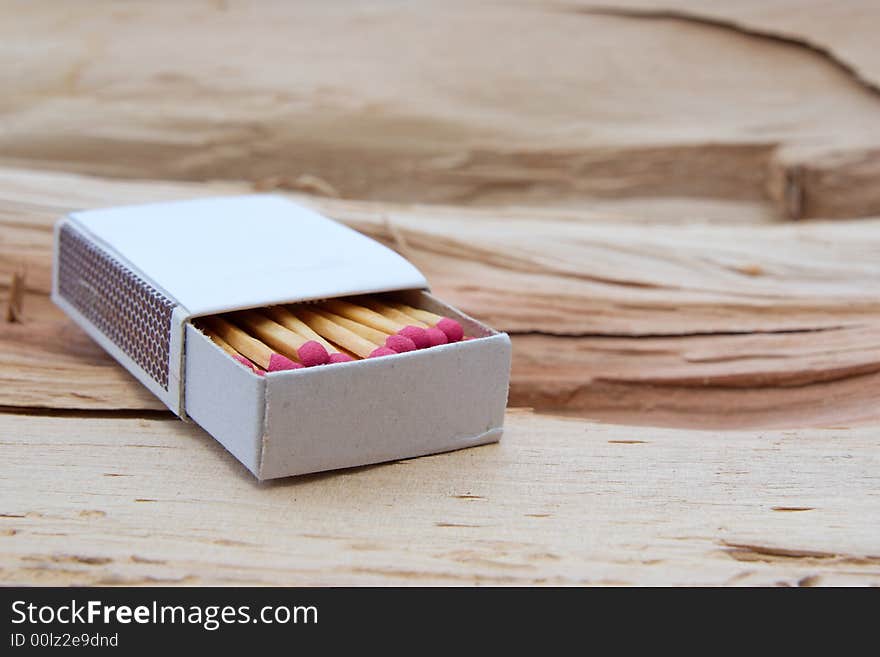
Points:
[[672, 206]]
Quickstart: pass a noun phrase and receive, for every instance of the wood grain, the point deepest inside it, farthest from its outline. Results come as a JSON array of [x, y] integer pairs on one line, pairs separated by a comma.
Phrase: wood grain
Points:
[[559, 501], [542, 103], [683, 325], [582, 175], [772, 325], [842, 31]]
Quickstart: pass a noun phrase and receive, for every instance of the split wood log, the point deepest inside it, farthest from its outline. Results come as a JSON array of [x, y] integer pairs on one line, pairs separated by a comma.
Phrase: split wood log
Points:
[[588, 131], [687, 325], [540, 104]]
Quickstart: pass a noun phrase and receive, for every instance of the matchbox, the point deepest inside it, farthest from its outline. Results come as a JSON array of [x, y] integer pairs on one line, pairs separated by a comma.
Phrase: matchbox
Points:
[[298, 343]]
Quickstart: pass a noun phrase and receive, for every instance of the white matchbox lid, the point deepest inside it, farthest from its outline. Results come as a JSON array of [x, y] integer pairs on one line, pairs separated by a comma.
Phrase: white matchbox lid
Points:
[[133, 278], [220, 254]]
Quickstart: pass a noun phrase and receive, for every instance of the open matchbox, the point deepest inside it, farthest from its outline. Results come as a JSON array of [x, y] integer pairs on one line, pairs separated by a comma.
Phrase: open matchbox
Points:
[[135, 279]]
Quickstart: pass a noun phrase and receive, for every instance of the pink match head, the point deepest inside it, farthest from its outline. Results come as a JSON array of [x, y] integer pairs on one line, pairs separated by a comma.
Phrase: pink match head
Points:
[[436, 336], [313, 353], [382, 351], [248, 364], [339, 357], [277, 362], [400, 343], [417, 334], [451, 328]]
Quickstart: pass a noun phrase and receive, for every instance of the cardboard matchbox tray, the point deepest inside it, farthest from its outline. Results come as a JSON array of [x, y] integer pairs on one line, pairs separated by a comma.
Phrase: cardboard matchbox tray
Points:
[[135, 277]]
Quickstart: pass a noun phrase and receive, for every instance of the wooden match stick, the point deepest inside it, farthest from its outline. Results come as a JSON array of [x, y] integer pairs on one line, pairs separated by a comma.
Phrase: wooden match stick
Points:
[[340, 335], [225, 346], [288, 320], [395, 341], [248, 346], [391, 313], [366, 332], [363, 315], [451, 328], [283, 340], [430, 337], [409, 329]]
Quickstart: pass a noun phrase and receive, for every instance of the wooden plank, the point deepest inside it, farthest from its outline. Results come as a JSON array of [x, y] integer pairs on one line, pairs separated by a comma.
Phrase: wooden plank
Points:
[[684, 325], [538, 104], [559, 501]]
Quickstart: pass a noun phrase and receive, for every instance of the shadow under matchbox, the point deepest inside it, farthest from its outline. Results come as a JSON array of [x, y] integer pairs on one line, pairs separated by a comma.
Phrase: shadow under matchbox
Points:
[[298, 343]]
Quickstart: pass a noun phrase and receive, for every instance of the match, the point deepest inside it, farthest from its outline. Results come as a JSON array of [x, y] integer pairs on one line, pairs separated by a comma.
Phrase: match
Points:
[[394, 325], [291, 344], [432, 336], [225, 346], [290, 321], [395, 341], [248, 346], [450, 328], [333, 331], [341, 335]]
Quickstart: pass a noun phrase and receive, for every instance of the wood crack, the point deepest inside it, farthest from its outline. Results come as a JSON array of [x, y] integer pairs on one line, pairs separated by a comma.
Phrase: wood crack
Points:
[[115, 414], [676, 335], [826, 54], [757, 552]]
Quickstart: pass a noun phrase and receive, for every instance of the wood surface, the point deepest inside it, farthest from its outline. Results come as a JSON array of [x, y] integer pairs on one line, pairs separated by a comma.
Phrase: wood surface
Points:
[[840, 31], [551, 103], [613, 184], [770, 325], [558, 501]]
